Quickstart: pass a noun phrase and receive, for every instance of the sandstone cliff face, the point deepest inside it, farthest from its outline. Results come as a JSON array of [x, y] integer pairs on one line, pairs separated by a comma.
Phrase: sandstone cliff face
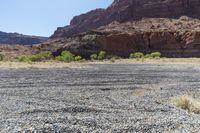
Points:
[[126, 10], [172, 37], [15, 38]]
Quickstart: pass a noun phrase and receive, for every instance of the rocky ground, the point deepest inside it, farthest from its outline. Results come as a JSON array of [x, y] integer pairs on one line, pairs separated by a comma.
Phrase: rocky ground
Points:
[[98, 98]]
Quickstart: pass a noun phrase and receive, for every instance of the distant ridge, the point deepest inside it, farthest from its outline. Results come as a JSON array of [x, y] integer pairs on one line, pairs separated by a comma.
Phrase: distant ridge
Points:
[[16, 38]]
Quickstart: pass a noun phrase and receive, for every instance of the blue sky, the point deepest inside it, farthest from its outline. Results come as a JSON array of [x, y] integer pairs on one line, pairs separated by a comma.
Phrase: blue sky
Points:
[[42, 17]]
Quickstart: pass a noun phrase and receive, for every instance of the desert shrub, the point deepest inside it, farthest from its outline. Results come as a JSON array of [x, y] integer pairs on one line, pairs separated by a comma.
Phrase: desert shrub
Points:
[[136, 55], [102, 55], [46, 55], [1, 57], [23, 58], [131, 56], [112, 60], [83, 60], [94, 57], [65, 56], [148, 56], [42, 56], [78, 58], [113, 57], [156, 55], [36, 57], [187, 103]]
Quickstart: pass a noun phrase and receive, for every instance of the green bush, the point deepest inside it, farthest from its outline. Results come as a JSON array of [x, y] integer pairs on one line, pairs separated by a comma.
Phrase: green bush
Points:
[[94, 57], [23, 58], [148, 56], [136, 55], [46, 55], [42, 56], [1, 57], [156, 55], [102, 55], [131, 56], [36, 57], [65, 56], [139, 55], [78, 58]]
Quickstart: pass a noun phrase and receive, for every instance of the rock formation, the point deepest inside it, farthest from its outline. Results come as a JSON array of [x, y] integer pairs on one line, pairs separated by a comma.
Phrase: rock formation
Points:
[[126, 10], [172, 37], [169, 26]]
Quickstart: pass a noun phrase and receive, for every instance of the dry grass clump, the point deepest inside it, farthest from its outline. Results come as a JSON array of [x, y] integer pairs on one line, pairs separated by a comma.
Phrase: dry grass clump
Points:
[[139, 92], [187, 103]]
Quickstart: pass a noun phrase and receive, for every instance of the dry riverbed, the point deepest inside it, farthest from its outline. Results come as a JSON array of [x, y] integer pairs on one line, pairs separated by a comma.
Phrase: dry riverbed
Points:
[[95, 97]]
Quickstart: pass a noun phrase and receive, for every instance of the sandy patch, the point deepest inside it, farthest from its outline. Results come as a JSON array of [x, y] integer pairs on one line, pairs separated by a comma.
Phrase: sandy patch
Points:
[[16, 65]]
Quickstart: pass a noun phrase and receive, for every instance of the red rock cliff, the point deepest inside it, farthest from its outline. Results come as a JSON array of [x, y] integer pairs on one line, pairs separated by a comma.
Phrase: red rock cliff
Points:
[[126, 10]]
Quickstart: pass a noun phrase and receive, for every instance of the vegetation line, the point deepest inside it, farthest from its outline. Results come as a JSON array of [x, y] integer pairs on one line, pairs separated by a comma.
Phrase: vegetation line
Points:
[[67, 56]]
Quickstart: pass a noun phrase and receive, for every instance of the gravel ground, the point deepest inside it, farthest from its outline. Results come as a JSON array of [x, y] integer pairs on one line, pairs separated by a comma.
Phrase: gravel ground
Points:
[[98, 98]]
